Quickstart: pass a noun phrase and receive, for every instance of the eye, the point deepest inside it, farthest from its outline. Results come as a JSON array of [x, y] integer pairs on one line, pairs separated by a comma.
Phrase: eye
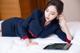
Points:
[[52, 13]]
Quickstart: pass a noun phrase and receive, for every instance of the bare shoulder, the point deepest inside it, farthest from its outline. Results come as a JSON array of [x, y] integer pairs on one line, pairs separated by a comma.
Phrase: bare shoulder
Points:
[[62, 20]]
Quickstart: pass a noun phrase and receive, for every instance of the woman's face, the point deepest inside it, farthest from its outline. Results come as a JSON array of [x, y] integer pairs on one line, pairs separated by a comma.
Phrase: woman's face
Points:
[[50, 13]]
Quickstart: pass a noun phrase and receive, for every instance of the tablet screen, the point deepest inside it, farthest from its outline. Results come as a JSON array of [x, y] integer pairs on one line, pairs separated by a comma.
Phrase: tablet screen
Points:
[[58, 46]]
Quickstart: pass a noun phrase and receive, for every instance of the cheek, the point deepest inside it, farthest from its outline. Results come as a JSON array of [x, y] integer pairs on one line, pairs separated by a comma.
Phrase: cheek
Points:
[[46, 14]]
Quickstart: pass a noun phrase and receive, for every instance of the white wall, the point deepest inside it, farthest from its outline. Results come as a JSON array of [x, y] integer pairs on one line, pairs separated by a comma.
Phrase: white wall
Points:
[[72, 10]]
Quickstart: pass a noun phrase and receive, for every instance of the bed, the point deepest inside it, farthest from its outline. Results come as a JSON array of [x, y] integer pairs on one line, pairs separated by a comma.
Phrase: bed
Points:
[[15, 45]]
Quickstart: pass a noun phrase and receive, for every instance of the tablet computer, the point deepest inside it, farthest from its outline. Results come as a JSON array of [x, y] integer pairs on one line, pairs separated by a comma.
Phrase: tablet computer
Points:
[[58, 46]]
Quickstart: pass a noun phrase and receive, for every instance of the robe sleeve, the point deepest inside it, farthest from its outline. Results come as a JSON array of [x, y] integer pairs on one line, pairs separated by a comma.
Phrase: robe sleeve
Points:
[[62, 35], [22, 29]]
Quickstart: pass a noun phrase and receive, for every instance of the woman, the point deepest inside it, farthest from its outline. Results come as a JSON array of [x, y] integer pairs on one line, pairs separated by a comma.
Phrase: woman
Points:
[[40, 24]]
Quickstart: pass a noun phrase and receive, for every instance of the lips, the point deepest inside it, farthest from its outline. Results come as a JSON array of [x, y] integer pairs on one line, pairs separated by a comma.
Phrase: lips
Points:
[[47, 18]]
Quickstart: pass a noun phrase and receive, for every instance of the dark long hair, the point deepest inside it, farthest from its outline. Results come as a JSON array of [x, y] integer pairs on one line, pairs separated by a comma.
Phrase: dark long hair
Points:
[[58, 4]]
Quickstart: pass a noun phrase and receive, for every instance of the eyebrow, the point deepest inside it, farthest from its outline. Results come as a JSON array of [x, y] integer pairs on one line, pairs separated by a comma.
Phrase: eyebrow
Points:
[[51, 11]]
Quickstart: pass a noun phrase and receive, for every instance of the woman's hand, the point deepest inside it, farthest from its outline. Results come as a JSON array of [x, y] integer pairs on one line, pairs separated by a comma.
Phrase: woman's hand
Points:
[[69, 37], [68, 44], [32, 43], [29, 42]]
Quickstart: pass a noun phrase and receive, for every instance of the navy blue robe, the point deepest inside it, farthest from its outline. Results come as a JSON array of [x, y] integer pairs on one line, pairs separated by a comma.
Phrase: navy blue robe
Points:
[[32, 27]]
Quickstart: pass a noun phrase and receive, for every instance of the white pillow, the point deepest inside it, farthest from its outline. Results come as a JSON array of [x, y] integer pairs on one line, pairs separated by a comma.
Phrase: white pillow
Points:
[[0, 25], [74, 27]]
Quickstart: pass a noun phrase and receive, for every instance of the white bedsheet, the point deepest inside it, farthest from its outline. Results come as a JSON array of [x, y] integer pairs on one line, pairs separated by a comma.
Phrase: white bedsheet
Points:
[[15, 45]]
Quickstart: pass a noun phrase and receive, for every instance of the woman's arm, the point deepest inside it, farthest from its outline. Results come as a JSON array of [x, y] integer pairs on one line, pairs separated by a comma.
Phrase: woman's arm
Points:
[[64, 27]]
